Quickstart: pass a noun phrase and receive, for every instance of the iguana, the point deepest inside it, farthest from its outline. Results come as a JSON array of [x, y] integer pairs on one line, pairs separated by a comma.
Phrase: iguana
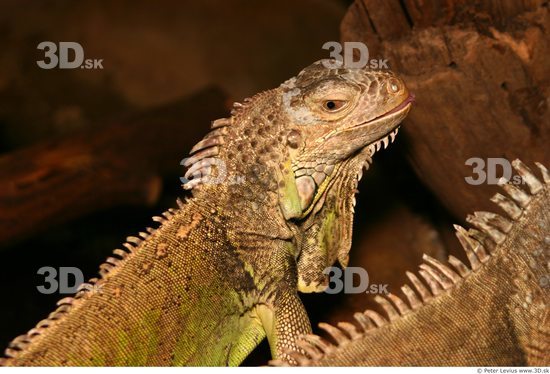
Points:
[[494, 313], [272, 197]]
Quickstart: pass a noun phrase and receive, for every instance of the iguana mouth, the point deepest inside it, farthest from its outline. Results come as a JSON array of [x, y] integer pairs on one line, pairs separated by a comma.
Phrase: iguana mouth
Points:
[[398, 109], [389, 137], [408, 101]]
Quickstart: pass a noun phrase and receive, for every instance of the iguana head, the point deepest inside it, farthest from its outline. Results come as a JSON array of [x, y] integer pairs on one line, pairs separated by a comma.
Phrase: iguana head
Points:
[[333, 114], [299, 150], [337, 118]]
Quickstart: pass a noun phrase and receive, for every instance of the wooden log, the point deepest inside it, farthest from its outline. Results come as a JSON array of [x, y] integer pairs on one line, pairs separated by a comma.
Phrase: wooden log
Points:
[[119, 163], [480, 75]]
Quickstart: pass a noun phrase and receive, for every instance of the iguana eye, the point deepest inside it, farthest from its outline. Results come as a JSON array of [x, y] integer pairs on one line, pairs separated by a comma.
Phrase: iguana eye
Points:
[[334, 105]]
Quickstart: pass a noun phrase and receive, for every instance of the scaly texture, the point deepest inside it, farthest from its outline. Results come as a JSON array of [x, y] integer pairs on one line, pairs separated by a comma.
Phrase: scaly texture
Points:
[[494, 313], [273, 192]]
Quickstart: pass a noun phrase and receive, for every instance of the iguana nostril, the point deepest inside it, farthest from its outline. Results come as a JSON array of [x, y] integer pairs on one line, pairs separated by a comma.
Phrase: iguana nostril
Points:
[[394, 86]]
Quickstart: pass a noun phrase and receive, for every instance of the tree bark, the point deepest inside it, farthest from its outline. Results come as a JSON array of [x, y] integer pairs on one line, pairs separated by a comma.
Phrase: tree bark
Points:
[[114, 164], [481, 80]]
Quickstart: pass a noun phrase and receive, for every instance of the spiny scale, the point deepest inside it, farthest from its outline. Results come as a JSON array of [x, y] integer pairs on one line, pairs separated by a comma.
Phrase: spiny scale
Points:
[[204, 152], [440, 277], [373, 148], [384, 142]]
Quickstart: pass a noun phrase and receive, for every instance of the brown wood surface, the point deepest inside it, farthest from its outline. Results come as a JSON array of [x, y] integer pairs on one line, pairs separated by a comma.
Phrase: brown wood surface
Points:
[[480, 73], [113, 164]]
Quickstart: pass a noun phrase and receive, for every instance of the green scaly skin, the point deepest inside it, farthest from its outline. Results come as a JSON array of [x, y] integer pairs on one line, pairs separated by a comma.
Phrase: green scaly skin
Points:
[[272, 207]]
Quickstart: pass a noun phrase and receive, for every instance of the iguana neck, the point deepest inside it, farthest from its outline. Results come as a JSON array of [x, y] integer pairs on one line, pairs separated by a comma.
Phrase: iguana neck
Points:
[[251, 160]]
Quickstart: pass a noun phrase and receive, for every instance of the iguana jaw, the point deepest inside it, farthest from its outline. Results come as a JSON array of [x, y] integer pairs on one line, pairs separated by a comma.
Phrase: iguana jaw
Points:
[[376, 129], [399, 113], [335, 197], [387, 124], [406, 104], [366, 156]]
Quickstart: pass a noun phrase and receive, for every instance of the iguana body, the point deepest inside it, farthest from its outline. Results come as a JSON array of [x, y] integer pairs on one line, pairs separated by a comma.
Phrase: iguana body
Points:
[[496, 313], [272, 198]]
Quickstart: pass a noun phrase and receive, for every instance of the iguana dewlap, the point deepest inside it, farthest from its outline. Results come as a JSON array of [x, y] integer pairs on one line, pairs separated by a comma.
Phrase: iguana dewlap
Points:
[[273, 194]]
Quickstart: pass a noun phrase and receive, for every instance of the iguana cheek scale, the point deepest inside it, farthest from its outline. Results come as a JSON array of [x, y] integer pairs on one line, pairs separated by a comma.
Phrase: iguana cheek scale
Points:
[[222, 271]]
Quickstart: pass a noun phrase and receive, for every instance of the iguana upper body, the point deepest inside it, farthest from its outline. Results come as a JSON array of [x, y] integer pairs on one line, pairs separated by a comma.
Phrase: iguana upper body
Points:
[[272, 205], [495, 313]]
